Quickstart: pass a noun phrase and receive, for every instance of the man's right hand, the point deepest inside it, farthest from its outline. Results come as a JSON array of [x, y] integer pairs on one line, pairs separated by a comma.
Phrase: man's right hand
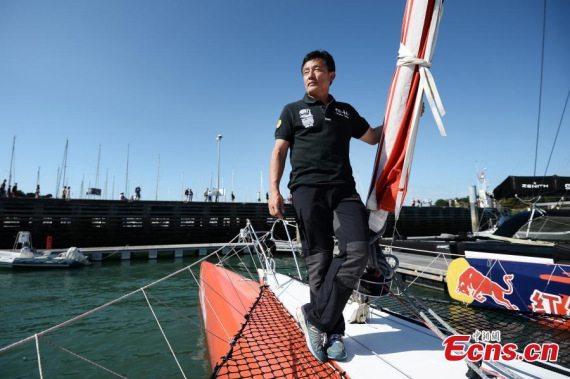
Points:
[[276, 205]]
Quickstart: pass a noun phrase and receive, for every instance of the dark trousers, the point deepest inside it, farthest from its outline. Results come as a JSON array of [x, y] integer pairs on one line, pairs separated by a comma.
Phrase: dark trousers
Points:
[[321, 213]]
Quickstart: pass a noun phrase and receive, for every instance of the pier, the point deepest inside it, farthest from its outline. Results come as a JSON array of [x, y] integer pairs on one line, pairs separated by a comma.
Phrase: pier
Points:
[[95, 223], [158, 251], [423, 270]]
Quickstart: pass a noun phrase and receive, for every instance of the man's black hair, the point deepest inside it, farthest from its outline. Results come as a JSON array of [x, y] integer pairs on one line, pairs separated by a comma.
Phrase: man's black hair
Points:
[[324, 55]]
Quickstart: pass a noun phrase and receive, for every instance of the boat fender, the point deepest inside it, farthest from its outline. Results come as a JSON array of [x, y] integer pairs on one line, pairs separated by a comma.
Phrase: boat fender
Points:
[[26, 252], [74, 254]]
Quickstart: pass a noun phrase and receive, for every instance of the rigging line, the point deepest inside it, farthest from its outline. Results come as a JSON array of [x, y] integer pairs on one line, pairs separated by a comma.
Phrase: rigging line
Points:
[[236, 254], [558, 130], [213, 309], [164, 334], [410, 296], [39, 356], [173, 309], [540, 89], [108, 304], [549, 278], [479, 370], [514, 288], [425, 269], [83, 358], [242, 262], [223, 297]]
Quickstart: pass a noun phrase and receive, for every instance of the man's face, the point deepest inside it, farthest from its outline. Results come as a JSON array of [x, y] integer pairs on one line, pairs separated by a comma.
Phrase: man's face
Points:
[[317, 78]]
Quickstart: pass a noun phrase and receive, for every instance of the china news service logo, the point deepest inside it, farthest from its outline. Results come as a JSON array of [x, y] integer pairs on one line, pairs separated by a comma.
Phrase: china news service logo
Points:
[[486, 345]]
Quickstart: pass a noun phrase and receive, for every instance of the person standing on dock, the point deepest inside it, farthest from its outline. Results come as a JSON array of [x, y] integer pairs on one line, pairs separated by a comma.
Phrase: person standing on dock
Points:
[[317, 131], [3, 188], [138, 193]]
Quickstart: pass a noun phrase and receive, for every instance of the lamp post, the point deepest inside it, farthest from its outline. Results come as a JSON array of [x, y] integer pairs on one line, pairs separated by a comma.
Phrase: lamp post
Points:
[[219, 139]]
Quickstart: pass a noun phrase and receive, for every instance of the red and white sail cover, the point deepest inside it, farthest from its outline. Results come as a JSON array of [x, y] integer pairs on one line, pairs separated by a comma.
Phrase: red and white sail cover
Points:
[[411, 80]]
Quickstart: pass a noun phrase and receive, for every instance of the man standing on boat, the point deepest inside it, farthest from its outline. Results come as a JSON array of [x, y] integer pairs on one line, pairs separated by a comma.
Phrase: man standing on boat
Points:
[[317, 131]]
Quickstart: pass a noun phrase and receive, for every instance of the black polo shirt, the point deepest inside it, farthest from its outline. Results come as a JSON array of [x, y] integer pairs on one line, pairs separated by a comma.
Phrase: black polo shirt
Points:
[[319, 138]]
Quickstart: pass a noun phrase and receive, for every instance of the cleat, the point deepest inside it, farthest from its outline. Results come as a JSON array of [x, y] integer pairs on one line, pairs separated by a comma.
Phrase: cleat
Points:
[[316, 340], [336, 350]]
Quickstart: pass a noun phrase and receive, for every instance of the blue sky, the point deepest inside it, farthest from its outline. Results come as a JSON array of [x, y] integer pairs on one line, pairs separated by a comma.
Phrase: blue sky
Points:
[[166, 77]]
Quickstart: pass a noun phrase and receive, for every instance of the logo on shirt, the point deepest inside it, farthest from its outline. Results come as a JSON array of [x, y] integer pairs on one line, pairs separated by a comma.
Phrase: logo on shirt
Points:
[[341, 112], [306, 117], [278, 124]]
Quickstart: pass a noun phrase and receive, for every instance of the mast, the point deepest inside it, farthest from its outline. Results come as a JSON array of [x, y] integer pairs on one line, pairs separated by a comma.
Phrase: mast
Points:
[[65, 161], [182, 187], [97, 171], [233, 180], [11, 166], [540, 88], [57, 183], [157, 177], [219, 139], [61, 172], [81, 189], [261, 186], [127, 174], [38, 177], [106, 181]]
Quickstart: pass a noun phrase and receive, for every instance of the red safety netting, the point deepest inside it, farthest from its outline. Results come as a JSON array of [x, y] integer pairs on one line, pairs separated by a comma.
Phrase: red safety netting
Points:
[[271, 345]]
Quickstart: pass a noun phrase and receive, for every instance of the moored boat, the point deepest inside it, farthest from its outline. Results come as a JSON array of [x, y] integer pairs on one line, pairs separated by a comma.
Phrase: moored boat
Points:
[[24, 255], [523, 266]]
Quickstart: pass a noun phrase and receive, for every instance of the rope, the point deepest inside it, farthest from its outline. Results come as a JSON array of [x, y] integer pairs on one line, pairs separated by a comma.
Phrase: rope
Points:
[[39, 355], [163, 334], [407, 58], [540, 88], [557, 131], [83, 358], [36, 336]]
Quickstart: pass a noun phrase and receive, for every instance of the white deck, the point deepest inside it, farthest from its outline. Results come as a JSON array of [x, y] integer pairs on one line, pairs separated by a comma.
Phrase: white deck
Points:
[[391, 347]]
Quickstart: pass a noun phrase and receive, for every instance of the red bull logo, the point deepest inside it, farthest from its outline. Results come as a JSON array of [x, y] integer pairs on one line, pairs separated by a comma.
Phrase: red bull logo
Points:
[[474, 284]]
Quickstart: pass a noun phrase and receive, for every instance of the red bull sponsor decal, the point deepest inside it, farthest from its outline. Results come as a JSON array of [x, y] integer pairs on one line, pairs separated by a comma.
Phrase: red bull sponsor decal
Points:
[[523, 286], [543, 302], [476, 285], [465, 283]]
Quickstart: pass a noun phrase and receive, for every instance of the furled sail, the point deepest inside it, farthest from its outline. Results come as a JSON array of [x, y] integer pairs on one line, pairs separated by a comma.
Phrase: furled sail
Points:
[[412, 79]]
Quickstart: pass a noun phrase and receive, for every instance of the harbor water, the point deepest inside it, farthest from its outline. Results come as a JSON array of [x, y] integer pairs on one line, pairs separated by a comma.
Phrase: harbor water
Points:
[[124, 337]]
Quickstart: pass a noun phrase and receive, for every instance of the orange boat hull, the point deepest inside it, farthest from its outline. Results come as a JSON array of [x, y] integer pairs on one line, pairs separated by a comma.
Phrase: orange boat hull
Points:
[[225, 299]]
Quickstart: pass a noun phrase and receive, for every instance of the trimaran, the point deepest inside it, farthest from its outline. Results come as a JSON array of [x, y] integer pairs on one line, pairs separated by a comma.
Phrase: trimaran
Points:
[[247, 303]]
